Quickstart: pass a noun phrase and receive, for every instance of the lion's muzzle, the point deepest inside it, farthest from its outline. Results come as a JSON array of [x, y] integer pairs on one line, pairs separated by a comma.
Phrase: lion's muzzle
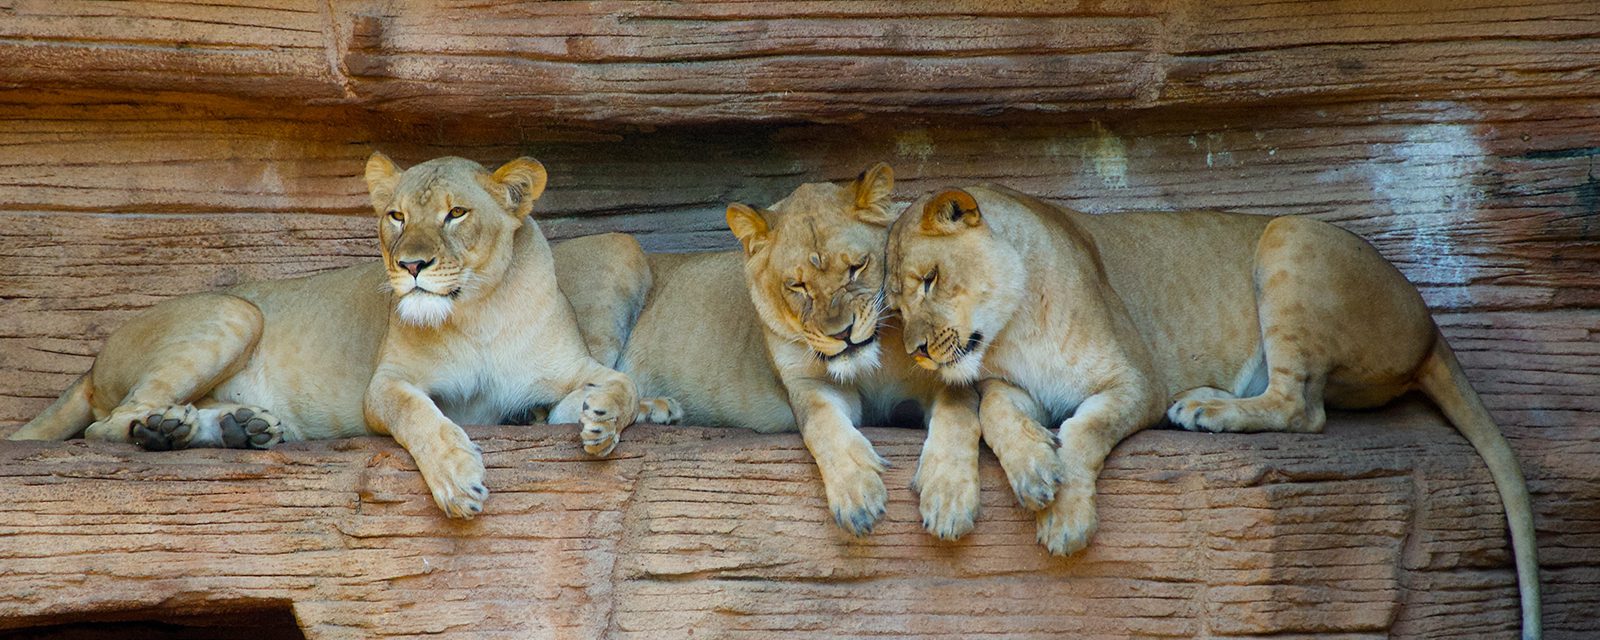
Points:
[[945, 349], [850, 348]]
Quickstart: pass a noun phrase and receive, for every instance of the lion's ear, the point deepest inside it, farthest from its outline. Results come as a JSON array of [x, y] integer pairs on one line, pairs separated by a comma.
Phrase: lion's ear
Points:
[[749, 226], [523, 179], [872, 191], [382, 174], [950, 211]]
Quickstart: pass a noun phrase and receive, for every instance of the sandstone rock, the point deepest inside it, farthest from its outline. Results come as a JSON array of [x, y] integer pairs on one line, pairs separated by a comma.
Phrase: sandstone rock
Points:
[[1386, 525]]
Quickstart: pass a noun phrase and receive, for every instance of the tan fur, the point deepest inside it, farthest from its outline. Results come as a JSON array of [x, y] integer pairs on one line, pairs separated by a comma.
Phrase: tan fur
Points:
[[814, 269], [681, 325], [687, 327], [337, 354], [1230, 322]]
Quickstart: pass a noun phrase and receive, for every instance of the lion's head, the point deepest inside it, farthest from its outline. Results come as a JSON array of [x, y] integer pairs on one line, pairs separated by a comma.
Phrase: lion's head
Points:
[[954, 283], [814, 266], [446, 228]]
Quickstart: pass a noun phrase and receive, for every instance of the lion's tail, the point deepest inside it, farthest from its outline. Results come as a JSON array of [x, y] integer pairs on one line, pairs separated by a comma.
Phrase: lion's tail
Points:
[[63, 419], [1443, 380]]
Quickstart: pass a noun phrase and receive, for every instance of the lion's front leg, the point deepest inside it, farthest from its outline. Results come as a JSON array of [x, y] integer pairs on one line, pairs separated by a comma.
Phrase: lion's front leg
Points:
[[1102, 421], [450, 463], [947, 472], [1026, 449], [852, 472]]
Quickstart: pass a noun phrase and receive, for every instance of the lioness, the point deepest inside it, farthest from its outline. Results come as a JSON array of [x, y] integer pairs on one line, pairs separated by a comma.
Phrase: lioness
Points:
[[1266, 321], [680, 325], [460, 322], [814, 270]]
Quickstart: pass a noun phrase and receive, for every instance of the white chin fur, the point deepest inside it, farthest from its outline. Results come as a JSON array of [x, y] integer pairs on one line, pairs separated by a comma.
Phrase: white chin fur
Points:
[[864, 360], [424, 309], [963, 371]]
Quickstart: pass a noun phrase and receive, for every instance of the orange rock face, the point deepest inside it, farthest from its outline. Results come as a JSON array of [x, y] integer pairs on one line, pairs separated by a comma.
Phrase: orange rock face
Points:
[[1387, 524]]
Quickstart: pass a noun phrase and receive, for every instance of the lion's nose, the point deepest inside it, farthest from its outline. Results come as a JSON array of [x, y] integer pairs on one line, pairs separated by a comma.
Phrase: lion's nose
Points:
[[922, 351], [415, 266], [844, 335]]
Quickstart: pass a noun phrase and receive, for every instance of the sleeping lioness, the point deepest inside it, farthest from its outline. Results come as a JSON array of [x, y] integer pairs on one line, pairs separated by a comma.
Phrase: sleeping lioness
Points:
[[813, 266], [785, 334], [1224, 322], [460, 322]]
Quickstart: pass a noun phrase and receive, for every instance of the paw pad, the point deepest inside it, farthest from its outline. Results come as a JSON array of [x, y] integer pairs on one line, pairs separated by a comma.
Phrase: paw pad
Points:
[[167, 430], [250, 428]]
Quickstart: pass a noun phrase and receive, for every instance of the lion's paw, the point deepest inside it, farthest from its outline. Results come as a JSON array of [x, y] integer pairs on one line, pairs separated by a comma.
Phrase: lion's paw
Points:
[[1191, 414], [1065, 527], [455, 478], [661, 410], [1195, 406], [1033, 468], [947, 487], [602, 418], [115, 428], [250, 428], [166, 429], [856, 494]]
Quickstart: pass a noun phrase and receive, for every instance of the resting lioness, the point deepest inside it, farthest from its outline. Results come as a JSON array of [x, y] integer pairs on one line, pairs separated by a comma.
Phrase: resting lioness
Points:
[[680, 325], [814, 271], [1260, 323], [460, 322]]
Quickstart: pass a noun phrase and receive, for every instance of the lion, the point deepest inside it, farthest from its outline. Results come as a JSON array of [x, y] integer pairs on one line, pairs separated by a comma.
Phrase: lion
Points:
[[688, 326], [680, 325], [813, 266], [461, 322], [1268, 322]]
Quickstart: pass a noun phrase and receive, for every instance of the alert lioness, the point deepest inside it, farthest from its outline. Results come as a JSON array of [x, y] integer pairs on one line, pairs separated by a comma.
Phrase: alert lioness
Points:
[[461, 321], [1263, 322]]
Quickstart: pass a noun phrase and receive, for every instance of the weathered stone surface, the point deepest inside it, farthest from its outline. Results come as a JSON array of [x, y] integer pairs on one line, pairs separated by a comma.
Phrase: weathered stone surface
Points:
[[1387, 524], [660, 63]]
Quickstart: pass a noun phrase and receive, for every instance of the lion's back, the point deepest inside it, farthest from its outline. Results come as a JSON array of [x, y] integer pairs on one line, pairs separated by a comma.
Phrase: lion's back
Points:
[[1186, 279], [698, 339]]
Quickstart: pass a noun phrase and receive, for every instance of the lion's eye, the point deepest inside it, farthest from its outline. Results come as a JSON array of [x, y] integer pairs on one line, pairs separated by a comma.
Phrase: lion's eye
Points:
[[397, 216], [858, 267], [929, 279], [456, 213]]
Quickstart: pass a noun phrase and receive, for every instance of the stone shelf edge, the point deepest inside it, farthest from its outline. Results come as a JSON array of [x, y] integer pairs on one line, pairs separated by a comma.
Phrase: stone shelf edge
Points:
[[1387, 524]]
